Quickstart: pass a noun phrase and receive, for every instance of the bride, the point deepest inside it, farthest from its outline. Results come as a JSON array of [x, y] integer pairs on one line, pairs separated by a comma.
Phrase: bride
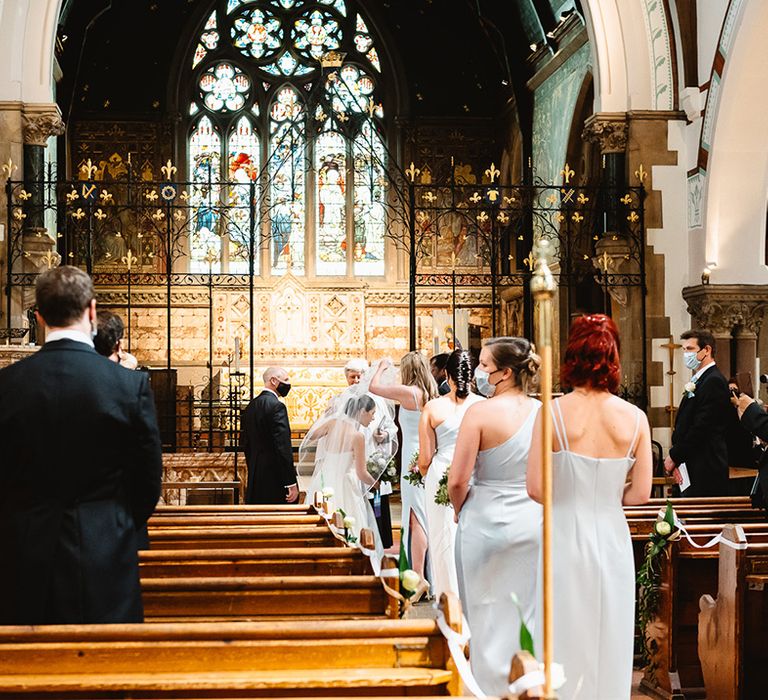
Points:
[[338, 446]]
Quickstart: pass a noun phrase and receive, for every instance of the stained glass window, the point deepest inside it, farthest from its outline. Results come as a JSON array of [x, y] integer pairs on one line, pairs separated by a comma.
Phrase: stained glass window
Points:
[[369, 215], [255, 144], [286, 173], [331, 205], [204, 172], [257, 33], [315, 34], [243, 162], [364, 42], [224, 88], [209, 40]]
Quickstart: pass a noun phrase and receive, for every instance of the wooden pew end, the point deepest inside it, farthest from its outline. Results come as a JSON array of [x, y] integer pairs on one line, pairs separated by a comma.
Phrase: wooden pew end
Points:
[[451, 607], [338, 520], [523, 662], [367, 540]]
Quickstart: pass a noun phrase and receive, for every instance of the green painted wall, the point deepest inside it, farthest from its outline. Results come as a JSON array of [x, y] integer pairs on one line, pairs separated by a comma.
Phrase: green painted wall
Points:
[[554, 102]]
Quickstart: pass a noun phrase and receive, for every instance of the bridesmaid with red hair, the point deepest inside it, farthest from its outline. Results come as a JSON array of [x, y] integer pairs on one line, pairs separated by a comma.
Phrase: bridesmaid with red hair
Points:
[[601, 460]]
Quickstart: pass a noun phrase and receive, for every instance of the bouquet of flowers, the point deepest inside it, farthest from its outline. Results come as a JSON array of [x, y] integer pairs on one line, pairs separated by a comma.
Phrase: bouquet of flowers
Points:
[[382, 467], [664, 531], [412, 474], [441, 497]]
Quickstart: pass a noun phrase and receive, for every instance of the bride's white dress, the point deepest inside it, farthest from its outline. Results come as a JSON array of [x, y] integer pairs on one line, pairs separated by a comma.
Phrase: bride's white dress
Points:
[[593, 572], [337, 471], [441, 528], [497, 554]]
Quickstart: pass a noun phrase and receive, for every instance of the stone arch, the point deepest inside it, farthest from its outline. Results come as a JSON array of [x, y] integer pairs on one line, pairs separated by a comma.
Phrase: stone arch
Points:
[[737, 172], [633, 70], [28, 31]]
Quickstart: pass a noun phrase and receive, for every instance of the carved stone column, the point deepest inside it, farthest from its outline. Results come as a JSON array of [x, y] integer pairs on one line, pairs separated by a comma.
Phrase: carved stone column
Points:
[[728, 311], [39, 122], [610, 132]]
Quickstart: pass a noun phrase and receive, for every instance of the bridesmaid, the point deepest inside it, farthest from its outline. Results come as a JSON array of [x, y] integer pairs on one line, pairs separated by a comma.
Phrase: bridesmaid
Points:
[[499, 526], [599, 441], [438, 430], [418, 387]]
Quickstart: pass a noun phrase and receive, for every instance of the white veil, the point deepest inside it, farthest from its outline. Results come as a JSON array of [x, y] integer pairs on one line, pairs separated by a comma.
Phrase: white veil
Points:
[[332, 444]]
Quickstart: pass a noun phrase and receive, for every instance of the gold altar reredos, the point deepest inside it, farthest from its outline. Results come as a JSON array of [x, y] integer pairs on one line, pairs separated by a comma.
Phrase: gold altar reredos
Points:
[[309, 328]]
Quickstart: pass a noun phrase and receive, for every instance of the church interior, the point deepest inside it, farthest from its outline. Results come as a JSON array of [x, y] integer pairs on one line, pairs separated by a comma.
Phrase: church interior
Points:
[[299, 183]]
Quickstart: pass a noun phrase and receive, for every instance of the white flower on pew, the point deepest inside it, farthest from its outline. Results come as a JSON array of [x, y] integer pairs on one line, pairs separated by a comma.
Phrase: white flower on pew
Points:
[[349, 522], [410, 580], [327, 492], [663, 528]]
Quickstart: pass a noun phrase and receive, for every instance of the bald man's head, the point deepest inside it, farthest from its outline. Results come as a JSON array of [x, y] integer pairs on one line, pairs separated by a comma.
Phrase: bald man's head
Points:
[[277, 379]]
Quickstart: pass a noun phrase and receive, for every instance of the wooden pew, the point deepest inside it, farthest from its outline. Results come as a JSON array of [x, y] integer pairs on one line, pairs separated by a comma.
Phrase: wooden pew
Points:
[[687, 573], [237, 537], [732, 628], [287, 561], [224, 660], [258, 597]]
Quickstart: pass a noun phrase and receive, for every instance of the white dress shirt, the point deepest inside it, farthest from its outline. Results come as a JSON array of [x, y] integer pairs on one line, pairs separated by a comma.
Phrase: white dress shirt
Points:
[[67, 334]]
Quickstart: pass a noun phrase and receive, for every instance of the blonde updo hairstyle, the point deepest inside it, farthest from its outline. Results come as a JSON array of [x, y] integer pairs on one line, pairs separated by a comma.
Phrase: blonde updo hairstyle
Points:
[[414, 371], [516, 354]]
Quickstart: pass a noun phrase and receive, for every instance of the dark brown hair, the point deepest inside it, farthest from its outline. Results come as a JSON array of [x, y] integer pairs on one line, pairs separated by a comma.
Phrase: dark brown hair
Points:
[[518, 355], [109, 331], [703, 338], [62, 295], [459, 368]]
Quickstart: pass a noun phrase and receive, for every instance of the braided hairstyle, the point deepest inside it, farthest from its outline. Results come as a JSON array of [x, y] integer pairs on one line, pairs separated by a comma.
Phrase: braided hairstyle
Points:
[[459, 369], [518, 355]]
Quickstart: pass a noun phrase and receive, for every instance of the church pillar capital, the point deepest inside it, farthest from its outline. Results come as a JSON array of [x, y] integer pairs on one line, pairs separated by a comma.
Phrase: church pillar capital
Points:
[[40, 122], [609, 131], [723, 307]]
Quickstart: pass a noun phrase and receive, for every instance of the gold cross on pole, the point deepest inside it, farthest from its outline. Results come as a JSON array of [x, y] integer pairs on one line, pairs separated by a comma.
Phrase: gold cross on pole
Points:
[[671, 409]]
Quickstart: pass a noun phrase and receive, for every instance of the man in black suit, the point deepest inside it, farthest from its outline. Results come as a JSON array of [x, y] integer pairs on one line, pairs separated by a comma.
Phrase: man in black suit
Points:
[[267, 443], [698, 440], [80, 471]]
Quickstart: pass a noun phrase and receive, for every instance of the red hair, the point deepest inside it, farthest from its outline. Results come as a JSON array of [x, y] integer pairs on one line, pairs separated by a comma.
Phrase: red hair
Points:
[[592, 355]]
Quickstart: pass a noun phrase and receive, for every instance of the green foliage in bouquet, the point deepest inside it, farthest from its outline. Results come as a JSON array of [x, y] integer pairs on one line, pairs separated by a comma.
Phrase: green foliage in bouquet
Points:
[[412, 474], [663, 532], [441, 497]]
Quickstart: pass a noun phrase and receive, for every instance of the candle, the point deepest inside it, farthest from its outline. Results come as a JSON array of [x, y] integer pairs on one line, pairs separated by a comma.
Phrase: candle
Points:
[[237, 354]]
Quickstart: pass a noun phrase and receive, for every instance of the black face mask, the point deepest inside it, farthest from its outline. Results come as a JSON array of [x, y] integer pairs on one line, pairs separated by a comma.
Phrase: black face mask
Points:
[[283, 388]]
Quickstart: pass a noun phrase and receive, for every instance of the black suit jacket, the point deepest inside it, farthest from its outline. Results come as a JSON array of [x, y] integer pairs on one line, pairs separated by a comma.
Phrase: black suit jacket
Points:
[[80, 472], [266, 443], [755, 421], [699, 435]]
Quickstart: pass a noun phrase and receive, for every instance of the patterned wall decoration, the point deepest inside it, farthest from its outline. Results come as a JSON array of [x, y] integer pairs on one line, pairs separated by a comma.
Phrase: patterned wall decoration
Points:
[[114, 147], [554, 104], [660, 54]]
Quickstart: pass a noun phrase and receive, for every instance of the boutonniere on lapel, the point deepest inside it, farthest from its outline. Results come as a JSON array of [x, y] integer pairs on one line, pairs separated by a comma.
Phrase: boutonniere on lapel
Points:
[[690, 389]]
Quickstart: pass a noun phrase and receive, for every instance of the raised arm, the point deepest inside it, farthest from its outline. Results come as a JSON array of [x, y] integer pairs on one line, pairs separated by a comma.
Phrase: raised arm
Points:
[[638, 491], [464, 456], [533, 473], [396, 392], [427, 439]]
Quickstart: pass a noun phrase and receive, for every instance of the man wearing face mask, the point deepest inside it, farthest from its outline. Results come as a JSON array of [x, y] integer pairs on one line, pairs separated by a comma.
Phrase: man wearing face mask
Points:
[[698, 441], [266, 442]]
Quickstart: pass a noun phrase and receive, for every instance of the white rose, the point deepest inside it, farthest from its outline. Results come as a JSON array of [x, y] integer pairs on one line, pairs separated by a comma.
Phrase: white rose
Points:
[[349, 522], [327, 492], [410, 580], [391, 471], [690, 387], [663, 528]]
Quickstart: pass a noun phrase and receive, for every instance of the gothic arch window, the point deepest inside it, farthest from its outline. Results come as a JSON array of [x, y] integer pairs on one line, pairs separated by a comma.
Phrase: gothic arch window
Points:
[[286, 140]]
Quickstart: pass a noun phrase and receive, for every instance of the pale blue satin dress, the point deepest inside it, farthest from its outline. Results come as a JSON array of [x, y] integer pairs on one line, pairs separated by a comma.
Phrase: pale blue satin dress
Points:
[[441, 527], [413, 499], [593, 572], [497, 553]]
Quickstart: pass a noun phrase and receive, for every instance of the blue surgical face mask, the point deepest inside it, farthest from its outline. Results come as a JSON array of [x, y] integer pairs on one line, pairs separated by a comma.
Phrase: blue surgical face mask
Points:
[[484, 386], [691, 360]]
